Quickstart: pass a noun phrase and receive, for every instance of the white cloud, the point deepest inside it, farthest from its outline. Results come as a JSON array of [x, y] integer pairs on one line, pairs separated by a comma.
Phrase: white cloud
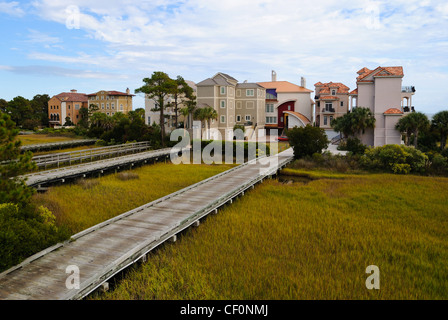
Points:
[[329, 39], [11, 8]]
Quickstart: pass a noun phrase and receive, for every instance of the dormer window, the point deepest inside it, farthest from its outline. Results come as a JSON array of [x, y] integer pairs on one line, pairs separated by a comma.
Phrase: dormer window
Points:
[[333, 92]]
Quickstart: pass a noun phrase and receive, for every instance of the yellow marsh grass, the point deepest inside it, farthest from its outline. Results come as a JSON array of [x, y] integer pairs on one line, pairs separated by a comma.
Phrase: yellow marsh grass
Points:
[[41, 138], [310, 241], [91, 201]]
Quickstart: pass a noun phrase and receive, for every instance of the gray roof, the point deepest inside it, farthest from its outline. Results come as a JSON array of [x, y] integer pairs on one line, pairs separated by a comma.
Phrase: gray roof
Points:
[[248, 85], [207, 82]]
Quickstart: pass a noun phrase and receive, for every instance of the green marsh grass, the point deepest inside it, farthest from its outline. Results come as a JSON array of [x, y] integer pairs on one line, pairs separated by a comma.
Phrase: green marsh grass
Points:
[[309, 241], [87, 202]]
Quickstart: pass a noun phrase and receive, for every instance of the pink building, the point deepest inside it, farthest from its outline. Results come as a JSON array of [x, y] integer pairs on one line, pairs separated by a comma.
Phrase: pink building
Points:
[[381, 91]]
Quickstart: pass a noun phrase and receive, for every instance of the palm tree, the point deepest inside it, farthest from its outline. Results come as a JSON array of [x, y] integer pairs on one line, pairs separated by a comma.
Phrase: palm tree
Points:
[[355, 122], [210, 114], [440, 123], [206, 114], [413, 123], [199, 114]]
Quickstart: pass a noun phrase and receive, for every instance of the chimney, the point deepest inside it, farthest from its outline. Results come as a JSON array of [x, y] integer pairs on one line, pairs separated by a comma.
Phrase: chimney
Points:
[[303, 82], [73, 91], [127, 91], [274, 76]]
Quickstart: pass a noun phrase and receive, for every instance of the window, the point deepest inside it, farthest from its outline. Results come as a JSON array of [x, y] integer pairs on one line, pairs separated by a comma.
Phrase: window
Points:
[[250, 92], [328, 106], [247, 117], [238, 118], [269, 107], [121, 106], [270, 96], [107, 98], [102, 97], [333, 92], [107, 106], [223, 103], [342, 103], [77, 106], [223, 119], [149, 119], [113, 105], [271, 120], [223, 90], [238, 92], [331, 119], [325, 120], [102, 106]]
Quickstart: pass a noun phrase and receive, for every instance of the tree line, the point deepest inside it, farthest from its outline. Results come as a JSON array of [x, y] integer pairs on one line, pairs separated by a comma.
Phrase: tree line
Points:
[[27, 114]]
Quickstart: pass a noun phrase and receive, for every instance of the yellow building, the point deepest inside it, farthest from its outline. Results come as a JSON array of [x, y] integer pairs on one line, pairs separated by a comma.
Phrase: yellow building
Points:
[[111, 102]]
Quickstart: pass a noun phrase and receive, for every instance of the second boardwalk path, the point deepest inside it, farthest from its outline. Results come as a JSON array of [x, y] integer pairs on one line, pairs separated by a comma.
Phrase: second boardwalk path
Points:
[[104, 250]]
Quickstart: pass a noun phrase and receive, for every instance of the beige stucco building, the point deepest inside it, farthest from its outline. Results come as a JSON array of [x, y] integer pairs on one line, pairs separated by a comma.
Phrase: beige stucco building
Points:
[[111, 102], [66, 104], [382, 92], [236, 104], [332, 101]]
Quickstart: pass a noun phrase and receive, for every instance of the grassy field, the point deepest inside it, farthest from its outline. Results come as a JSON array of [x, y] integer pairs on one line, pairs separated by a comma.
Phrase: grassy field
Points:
[[309, 240], [91, 201], [41, 138]]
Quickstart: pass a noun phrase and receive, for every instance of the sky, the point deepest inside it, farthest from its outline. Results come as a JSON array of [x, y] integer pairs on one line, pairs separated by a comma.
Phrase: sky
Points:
[[53, 46]]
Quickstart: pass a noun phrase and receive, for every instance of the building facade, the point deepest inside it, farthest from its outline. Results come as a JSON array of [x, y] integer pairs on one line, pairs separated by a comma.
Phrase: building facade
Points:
[[66, 105], [382, 92], [235, 103], [287, 105], [331, 102], [111, 102]]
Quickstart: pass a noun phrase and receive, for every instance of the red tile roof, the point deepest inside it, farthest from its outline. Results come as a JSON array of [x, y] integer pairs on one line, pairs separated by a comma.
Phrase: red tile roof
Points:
[[329, 98], [393, 111], [341, 88], [380, 72], [111, 93], [72, 97], [354, 92]]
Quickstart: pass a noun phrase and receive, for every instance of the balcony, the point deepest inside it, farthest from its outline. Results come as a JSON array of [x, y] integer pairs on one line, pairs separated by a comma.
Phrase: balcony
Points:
[[328, 110], [408, 89]]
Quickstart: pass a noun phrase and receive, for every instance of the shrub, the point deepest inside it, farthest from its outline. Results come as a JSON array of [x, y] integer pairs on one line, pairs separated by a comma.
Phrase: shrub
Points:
[[439, 164], [394, 158], [355, 146], [307, 140], [24, 232]]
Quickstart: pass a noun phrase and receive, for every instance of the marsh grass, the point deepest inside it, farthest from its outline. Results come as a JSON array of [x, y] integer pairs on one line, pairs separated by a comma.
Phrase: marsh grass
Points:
[[87, 202], [310, 241], [42, 138]]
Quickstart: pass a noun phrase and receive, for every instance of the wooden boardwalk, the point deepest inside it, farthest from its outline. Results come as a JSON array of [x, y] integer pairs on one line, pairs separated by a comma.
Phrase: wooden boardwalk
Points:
[[107, 248], [81, 170]]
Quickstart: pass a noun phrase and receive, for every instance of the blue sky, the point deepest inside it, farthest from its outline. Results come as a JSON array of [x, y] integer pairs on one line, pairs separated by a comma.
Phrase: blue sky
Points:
[[54, 46]]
